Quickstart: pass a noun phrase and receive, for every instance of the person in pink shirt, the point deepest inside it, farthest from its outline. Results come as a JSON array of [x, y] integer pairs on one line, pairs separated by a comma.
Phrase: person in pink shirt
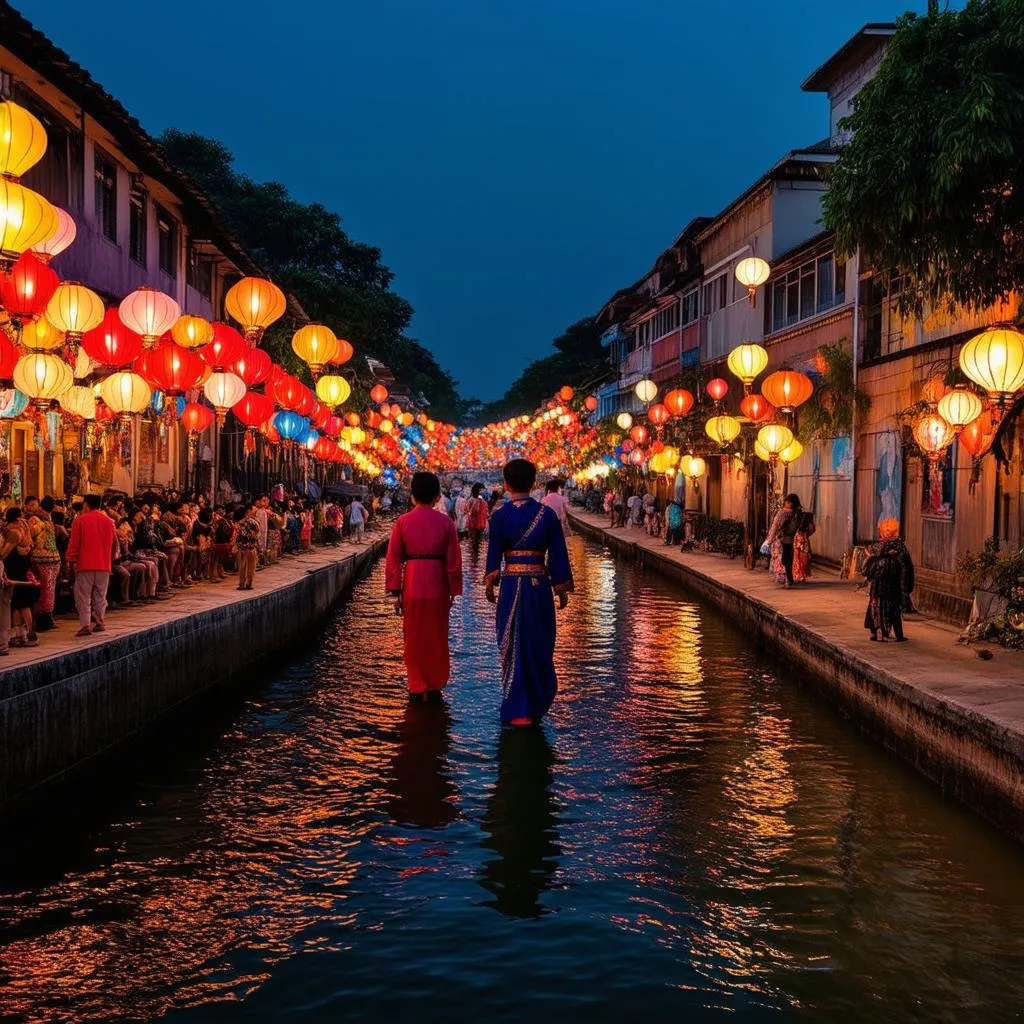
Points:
[[91, 552], [557, 503]]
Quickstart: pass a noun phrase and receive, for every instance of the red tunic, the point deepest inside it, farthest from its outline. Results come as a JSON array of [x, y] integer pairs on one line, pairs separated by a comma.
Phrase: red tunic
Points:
[[424, 563]]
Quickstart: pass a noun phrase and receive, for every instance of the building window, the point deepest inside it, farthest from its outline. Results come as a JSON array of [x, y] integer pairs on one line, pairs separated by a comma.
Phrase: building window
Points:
[[665, 322], [167, 227], [806, 291], [106, 195], [199, 273], [137, 226], [690, 306], [716, 294]]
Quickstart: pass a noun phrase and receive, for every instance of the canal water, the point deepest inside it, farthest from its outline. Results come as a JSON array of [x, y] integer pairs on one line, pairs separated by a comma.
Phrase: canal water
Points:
[[693, 833]]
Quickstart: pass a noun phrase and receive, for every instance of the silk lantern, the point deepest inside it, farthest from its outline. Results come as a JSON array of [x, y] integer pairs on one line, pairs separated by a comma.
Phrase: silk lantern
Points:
[[255, 303], [150, 313]]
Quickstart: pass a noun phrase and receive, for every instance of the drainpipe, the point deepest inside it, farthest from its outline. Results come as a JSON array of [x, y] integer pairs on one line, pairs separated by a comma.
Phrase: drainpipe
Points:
[[853, 419]]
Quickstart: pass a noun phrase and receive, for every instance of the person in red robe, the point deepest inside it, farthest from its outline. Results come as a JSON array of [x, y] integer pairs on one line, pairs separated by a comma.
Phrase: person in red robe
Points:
[[423, 576]]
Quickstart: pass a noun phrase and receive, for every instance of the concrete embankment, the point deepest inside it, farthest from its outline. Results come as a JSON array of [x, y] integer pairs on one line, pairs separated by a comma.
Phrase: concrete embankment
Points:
[[69, 699], [957, 719]]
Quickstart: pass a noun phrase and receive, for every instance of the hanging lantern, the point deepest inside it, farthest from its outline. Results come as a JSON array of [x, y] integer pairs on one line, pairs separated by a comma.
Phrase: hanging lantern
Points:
[[290, 425], [386, 426], [27, 287], [74, 309], [62, 237], [977, 436], [791, 452], [378, 393], [344, 353], [717, 389], [125, 393], [9, 356], [747, 361], [959, 407], [638, 434], [253, 409], [786, 389], [196, 418], [79, 401], [761, 452], [723, 430], [933, 389], [226, 347], [254, 367], [637, 457], [43, 377], [149, 313], [646, 391], [624, 420], [694, 467], [41, 336], [658, 415], [110, 342], [407, 419], [255, 303], [223, 390], [756, 408], [286, 391], [171, 368], [994, 360], [775, 439], [752, 272], [22, 139], [679, 402], [192, 331], [83, 365], [316, 345], [306, 402], [933, 435], [26, 219], [353, 419], [566, 393], [590, 403], [657, 463]]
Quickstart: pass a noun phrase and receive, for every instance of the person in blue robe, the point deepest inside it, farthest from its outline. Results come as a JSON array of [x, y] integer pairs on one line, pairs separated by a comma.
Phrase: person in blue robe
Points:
[[527, 568]]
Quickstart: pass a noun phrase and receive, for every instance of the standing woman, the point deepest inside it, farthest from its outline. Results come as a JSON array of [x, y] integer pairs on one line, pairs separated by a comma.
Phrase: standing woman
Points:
[[476, 514], [16, 553], [423, 577], [45, 562], [802, 546], [779, 542]]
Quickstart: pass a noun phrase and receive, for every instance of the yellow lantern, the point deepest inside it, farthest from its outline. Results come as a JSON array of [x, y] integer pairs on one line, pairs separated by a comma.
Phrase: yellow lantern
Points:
[[83, 364], [386, 426], [148, 312], [315, 344], [761, 452], [255, 303], [74, 309], [933, 435], [994, 360], [125, 393], [791, 452], [26, 219], [747, 361], [959, 407], [672, 455], [624, 420], [22, 139], [333, 390], [192, 331], [752, 272], [646, 391], [41, 336], [775, 438], [43, 377], [723, 430], [358, 436], [657, 463], [79, 401], [224, 390], [61, 238], [694, 467]]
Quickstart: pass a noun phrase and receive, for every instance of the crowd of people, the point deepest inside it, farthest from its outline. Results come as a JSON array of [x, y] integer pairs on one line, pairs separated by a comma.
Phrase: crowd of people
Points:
[[91, 553]]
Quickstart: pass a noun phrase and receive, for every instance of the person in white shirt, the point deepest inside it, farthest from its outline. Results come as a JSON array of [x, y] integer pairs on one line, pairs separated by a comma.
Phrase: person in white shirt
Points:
[[460, 513], [357, 520], [557, 503]]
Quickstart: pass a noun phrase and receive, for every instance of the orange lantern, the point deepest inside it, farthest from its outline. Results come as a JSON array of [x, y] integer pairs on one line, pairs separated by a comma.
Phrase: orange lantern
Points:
[[756, 408], [196, 418], [658, 415], [638, 434], [679, 402], [255, 303], [933, 435], [590, 403], [566, 393], [378, 393], [786, 389], [977, 437]]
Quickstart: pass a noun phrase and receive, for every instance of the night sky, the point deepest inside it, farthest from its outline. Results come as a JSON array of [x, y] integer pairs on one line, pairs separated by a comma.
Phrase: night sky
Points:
[[517, 161]]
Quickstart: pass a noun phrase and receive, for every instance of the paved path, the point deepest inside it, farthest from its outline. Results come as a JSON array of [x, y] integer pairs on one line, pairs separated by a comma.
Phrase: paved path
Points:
[[185, 602], [931, 662]]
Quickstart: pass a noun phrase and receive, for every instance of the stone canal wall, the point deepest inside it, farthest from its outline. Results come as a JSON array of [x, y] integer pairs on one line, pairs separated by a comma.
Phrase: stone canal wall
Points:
[[962, 732], [58, 712]]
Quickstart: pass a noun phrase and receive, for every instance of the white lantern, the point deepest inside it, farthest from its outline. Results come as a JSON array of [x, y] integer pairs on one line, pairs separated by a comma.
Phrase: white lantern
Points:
[[752, 272], [646, 391]]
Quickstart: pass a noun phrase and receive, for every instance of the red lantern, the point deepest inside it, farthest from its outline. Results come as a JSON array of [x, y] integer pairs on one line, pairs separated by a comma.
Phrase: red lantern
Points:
[[112, 343], [27, 287], [334, 426], [320, 415], [323, 448], [658, 415], [637, 456], [286, 391], [718, 389], [756, 408], [373, 418], [9, 356], [590, 403], [254, 408], [254, 367], [977, 437], [566, 393], [227, 347], [679, 402], [307, 402], [196, 418], [378, 393], [170, 368], [639, 433], [657, 446]]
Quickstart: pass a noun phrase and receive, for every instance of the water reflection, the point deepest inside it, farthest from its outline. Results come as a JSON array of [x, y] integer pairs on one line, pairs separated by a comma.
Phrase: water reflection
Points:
[[422, 792], [520, 825]]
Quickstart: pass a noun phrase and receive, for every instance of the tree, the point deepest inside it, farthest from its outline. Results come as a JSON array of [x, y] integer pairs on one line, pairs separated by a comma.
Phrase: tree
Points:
[[931, 184], [305, 249]]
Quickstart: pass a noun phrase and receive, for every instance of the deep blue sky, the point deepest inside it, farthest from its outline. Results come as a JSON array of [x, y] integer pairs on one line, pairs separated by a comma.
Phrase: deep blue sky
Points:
[[515, 160]]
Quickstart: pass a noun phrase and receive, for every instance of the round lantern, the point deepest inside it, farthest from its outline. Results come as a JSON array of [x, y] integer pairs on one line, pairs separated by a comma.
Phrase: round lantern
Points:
[[959, 407], [333, 390], [933, 435], [41, 336], [171, 368], [722, 429], [775, 438], [658, 415], [994, 360], [27, 288], [791, 452], [83, 365], [255, 303], [224, 390], [747, 361], [637, 456], [315, 344], [566, 393], [254, 367], [353, 419], [978, 435], [344, 353], [407, 419], [761, 452], [756, 408], [253, 409], [590, 403], [79, 401], [752, 272], [9, 356], [638, 434], [934, 388], [658, 463], [679, 402], [74, 309], [192, 331], [286, 391], [378, 393], [694, 467], [149, 313], [22, 139], [226, 347], [290, 425], [110, 342], [125, 393], [646, 391], [786, 389], [624, 420], [61, 238], [26, 219], [196, 418], [386, 426], [43, 377], [717, 389]]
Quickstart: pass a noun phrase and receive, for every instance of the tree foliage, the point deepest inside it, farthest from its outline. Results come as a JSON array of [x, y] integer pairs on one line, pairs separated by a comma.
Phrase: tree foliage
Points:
[[304, 249], [931, 183], [829, 412]]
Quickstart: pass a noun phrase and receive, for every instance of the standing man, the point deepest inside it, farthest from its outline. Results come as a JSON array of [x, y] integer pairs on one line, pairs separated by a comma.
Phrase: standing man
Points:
[[91, 553], [527, 567], [555, 501], [262, 514], [247, 535], [357, 520], [423, 578]]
